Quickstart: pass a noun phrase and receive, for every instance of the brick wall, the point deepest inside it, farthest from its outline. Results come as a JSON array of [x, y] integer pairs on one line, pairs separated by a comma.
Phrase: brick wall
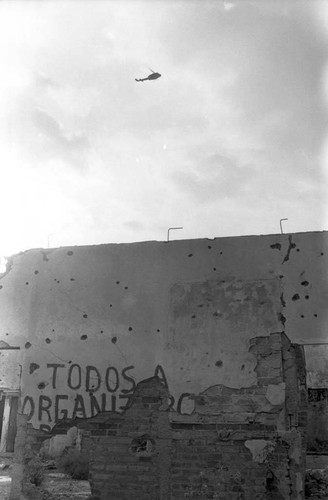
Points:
[[237, 444], [246, 443]]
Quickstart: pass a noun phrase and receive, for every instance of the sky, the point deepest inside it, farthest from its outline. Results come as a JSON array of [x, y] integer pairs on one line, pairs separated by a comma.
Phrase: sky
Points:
[[231, 138]]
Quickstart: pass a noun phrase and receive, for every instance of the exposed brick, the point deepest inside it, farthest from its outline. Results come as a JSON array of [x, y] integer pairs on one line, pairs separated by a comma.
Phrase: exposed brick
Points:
[[194, 453]]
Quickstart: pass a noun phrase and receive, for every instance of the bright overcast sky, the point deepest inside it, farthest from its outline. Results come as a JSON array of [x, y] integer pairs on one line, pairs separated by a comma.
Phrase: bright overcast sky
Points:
[[230, 139]]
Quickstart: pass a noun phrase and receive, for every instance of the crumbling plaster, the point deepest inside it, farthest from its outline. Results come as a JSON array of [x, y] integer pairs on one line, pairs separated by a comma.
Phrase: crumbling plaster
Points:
[[184, 310], [260, 448]]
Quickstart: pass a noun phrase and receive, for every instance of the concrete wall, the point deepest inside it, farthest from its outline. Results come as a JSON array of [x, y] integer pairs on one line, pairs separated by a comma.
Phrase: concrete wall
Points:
[[91, 322], [207, 323], [237, 444]]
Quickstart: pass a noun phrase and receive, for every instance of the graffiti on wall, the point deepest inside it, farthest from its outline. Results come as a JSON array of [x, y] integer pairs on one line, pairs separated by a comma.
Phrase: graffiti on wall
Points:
[[76, 392]]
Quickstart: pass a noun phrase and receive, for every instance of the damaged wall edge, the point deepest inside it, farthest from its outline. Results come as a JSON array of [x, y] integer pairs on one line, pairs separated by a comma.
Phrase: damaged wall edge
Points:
[[246, 443], [95, 322]]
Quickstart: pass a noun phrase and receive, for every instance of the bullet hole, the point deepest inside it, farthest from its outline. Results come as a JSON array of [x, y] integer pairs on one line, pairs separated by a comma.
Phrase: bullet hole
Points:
[[85, 315], [282, 318], [101, 331], [26, 283], [302, 315], [41, 385], [48, 341], [110, 305], [53, 330], [219, 363], [276, 246], [36, 272], [305, 283], [142, 447], [307, 297], [297, 249], [214, 268], [28, 345], [200, 305], [7, 333], [221, 253], [70, 361], [190, 255], [216, 313], [72, 279], [58, 281], [242, 367], [1, 287], [130, 328], [272, 484], [117, 282], [281, 276], [193, 316], [158, 330], [33, 367], [84, 337], [114, 340], [282, 300], [70, 253], [322, 253], [295, 297], [209, 247], [315, 315], [126, 288]]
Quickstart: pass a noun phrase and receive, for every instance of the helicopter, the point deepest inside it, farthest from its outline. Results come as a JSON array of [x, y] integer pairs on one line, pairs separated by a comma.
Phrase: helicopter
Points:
[[152, 76]]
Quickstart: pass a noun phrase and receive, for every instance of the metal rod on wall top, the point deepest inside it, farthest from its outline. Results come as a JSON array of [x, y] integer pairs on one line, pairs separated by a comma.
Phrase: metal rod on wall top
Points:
[[170, 229], [281, 225], [48, 239]]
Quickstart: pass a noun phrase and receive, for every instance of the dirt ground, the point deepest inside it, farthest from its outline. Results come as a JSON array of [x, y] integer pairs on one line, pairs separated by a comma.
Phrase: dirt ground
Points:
[[5, 478], [62, 487], [316, 484], [59, 486], [5, 486], [55, 485]]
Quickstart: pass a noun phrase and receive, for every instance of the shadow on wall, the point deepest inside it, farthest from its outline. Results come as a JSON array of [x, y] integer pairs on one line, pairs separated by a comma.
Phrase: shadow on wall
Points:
[[318, 420]]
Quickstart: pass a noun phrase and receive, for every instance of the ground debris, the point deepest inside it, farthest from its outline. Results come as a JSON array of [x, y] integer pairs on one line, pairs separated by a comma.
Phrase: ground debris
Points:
[[60, 486], [316, 484]]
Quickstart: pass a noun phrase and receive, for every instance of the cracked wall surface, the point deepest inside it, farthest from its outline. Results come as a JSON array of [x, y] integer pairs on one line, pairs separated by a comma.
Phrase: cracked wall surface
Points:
[[66, 307], [237, 443], [92, 322]]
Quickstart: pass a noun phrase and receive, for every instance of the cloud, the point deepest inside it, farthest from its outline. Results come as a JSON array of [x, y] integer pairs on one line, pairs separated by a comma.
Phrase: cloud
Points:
[[234, 127], [48, 140], [134, 225], [216, 177], [228, 5]]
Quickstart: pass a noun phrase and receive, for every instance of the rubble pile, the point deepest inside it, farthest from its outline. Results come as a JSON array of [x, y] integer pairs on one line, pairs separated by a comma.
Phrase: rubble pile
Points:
[[316, 484]]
